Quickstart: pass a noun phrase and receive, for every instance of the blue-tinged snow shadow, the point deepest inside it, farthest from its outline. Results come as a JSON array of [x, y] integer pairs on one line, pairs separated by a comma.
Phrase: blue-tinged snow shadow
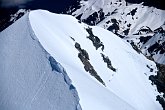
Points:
[[54, 64], [71, 87]]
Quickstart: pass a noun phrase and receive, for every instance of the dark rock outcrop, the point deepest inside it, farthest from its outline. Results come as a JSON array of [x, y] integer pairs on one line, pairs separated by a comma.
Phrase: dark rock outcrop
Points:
[[84, 57]]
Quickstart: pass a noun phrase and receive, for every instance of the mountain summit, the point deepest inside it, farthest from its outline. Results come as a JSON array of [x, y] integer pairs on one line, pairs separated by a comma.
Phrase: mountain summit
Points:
[[54, 61]]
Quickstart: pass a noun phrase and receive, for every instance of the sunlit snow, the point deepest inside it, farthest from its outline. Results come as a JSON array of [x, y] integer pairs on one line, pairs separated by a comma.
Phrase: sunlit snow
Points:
[[127, 88]]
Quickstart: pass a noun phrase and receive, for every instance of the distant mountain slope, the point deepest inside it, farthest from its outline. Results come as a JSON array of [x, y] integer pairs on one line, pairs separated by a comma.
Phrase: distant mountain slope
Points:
[[106, 71], [124, 19], [30, 79], [151, 44], [156, 3]]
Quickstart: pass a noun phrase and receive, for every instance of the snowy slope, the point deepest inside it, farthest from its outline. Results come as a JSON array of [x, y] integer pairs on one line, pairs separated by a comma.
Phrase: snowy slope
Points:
[[127, 87], [27, 81], [122, 18], [136, 15]]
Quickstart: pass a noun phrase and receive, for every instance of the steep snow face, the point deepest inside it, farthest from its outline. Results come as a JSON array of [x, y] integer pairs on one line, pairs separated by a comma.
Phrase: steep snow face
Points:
[[106, 71], [30, 79], [123, 19]]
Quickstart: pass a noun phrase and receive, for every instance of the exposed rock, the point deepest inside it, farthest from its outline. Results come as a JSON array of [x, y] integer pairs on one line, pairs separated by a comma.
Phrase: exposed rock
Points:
[[84, 57], [135, 47], [161, 101], [95, 40], [108, 62]]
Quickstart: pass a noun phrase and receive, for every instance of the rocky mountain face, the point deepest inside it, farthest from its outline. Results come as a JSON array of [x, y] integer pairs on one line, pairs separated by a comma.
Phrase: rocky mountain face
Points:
[[135, 23], [142, 25], [155, 3]]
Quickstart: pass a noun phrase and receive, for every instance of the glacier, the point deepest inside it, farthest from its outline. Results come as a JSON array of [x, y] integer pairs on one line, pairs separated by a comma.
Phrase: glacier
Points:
[[40, 67]]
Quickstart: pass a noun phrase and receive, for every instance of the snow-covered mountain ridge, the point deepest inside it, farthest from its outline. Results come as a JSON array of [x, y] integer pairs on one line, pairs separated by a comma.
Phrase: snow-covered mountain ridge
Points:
[[106, 72], [126, 20], [30, 79]]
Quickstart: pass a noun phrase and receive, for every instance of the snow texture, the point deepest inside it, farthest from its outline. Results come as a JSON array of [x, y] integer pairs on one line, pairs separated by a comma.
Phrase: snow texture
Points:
[[30, 79], [127, 88]]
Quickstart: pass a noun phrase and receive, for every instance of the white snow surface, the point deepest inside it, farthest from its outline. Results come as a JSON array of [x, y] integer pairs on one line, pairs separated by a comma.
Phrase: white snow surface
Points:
[[27, 80], [126, 89]]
